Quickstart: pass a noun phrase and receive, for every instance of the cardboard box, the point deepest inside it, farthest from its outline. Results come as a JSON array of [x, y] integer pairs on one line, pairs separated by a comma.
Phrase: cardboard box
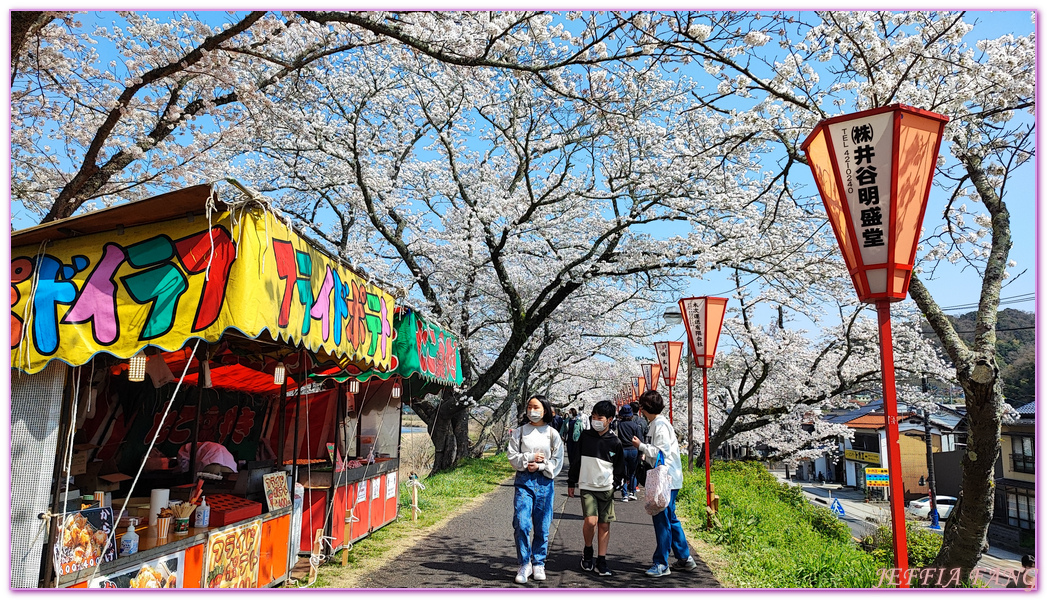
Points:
[[80, 453]]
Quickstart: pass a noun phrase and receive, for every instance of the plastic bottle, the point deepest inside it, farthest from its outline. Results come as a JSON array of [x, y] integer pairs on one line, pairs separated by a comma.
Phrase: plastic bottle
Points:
[[203, 513], [129, 543]]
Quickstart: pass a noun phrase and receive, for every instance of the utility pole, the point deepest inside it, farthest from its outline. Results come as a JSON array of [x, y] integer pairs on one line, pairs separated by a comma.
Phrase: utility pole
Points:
[[930, 462]]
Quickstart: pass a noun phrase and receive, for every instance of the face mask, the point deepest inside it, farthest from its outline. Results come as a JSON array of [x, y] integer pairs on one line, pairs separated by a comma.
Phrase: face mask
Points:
[[597, 425], [534, 415]]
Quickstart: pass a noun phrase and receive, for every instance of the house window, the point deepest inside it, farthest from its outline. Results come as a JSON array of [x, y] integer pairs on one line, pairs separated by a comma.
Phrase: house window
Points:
[[1022, 455], [1021, 508]]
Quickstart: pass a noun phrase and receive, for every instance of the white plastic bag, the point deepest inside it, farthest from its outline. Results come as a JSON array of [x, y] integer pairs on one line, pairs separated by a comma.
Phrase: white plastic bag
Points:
[[656, 487]]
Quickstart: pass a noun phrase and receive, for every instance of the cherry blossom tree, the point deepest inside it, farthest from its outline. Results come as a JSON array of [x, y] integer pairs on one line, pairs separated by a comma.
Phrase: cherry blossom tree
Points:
[[794, 69]]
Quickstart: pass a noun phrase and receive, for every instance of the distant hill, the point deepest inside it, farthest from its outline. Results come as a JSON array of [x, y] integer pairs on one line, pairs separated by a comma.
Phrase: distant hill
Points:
[[1015, 350]]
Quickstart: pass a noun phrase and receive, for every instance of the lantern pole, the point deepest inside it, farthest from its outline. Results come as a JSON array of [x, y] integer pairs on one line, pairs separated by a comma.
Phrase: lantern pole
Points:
[[690, 411], [708, 469], [894, 463], [671, 405]]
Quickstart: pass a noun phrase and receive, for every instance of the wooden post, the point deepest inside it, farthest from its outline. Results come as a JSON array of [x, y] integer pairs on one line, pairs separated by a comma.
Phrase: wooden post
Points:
[[316, 552], [414, 502]]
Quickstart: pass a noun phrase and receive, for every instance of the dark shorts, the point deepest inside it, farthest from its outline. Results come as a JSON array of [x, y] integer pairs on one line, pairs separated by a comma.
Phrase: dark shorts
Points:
[[598, 504]]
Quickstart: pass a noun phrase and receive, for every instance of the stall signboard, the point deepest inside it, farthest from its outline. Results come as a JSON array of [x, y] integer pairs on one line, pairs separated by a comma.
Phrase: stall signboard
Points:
[[164, 283], [164, 573], [82, 539], [232, 555], [876, 477], [390, 485], [376, 488], [276, 494], [361, 492]]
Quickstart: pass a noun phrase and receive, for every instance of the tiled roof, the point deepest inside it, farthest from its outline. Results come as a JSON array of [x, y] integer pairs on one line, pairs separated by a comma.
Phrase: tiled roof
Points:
[[1027, 410]]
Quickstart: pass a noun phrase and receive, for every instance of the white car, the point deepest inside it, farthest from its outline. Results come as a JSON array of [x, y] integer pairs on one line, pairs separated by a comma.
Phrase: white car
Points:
[[922, 508]]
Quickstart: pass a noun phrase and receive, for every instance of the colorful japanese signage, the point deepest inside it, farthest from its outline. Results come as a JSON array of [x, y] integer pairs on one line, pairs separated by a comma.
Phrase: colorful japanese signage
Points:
[[876, 478], [160, 573], [232, 555], [164, 283]]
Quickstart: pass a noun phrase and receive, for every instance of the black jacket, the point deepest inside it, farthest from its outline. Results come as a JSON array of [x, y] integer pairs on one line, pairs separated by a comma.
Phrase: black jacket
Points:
[[628, 429], [602, 463]]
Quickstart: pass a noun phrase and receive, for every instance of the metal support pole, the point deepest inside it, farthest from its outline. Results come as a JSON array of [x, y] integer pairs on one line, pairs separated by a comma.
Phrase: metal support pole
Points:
[[708, 463], [894, 463], [690, 412], [671, 405]]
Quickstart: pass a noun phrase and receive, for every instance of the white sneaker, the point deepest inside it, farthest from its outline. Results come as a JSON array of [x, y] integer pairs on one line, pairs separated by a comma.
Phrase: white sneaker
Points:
[[523, 573], [539, 572]]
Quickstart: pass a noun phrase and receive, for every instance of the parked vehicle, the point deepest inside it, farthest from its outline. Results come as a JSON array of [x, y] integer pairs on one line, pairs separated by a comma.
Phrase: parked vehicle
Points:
[[921, 508]]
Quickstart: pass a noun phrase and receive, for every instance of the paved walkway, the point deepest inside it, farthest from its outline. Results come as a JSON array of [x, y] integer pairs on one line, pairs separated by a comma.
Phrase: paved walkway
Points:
[[476, 549]]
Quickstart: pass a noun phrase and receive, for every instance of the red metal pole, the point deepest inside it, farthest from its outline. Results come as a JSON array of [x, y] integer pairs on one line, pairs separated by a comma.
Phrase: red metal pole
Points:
[[671, 405], [894, 462], [705, 417]]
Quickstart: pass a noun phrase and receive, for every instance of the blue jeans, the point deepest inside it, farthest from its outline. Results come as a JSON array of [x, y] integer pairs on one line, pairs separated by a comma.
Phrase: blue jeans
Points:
[[533, 514], [631, 455], [668, 534]]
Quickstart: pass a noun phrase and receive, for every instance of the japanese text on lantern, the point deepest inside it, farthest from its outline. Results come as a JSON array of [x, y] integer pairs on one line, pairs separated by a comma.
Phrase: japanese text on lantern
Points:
[[868, 190]]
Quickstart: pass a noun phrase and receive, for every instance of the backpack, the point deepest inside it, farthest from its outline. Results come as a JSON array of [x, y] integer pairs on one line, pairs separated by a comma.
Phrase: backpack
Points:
[[571, 430]]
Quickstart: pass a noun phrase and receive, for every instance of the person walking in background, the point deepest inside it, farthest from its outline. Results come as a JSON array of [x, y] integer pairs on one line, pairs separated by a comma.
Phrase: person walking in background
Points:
[[1026, 578], [667, 529], [640, 471], [627, 430], [570, 433], [602, 464], [536, 452], [557, 421]]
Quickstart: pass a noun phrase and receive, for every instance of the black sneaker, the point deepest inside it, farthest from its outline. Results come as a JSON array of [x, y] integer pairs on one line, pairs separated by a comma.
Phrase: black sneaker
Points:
[[601, 568], [587, 558]]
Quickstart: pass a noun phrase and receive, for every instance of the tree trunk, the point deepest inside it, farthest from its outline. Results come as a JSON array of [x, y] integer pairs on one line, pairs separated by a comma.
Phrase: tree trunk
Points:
[[964, 538]]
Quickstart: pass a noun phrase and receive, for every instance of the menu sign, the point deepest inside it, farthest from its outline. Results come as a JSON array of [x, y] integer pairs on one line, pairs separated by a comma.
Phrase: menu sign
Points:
[[82, 537], [232, 555], [276, 494]]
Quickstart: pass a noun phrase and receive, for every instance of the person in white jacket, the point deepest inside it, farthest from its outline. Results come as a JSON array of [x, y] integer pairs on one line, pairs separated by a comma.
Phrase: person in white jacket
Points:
[[661, 437], [536, 452]]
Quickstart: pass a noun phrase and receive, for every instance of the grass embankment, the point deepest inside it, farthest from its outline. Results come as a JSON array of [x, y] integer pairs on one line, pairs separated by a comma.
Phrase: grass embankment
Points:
[[767, 535], [445, 495]]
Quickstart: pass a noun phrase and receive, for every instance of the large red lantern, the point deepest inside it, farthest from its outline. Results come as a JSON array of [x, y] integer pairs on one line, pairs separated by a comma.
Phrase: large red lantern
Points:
[[873, 170]]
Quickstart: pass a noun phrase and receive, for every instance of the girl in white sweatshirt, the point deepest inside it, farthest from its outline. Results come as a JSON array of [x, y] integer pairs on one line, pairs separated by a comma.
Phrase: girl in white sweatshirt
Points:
[[535, 451]]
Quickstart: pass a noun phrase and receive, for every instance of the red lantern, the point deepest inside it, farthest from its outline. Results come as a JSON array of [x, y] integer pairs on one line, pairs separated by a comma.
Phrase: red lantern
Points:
[[882, 160], [651, 372], [703, 317], [669, 359]]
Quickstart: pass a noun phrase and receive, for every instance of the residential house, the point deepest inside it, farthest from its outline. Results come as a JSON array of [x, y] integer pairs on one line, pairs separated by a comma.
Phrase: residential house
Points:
[[1014, 519]]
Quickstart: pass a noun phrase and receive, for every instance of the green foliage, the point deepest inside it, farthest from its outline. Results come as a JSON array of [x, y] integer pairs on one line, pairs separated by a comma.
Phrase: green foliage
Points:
[[771, 535], [923, 545]]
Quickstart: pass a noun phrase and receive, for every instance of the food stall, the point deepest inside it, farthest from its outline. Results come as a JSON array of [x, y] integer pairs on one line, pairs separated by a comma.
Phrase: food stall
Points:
[[144, 334], [351, 497]]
